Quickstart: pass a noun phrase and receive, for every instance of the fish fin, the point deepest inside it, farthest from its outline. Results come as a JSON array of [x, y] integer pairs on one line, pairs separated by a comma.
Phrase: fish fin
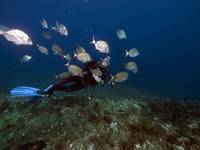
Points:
[[56, 23], [112, 77], [127, 53], [57, 76], [53, 28], [93, 40], [1, 32], [46, 22], [135, 71], [41, 22], [67, 64], [3, 29], [64, 56], [75, 55]]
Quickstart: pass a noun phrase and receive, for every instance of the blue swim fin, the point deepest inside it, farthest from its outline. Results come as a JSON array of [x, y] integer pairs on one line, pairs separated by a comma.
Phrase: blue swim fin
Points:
[[23, 91]]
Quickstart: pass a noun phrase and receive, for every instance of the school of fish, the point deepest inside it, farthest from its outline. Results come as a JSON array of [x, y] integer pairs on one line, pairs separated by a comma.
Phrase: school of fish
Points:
[[19, 37]]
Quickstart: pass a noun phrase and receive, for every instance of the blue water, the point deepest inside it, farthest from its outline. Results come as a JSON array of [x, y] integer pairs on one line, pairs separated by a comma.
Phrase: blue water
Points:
[[167, 33]]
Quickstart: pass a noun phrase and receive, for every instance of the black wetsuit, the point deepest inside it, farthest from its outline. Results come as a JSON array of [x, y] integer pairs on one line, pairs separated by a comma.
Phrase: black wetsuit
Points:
[[81, 82]]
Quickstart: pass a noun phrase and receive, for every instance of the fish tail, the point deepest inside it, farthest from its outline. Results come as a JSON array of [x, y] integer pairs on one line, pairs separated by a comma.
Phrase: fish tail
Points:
[[75, 54], [112, 76], [64, 56], [57, 76], [93, 40], [3, 29], [127, 53], [67, 64], [53, 28], [41, 22], [1, 32]]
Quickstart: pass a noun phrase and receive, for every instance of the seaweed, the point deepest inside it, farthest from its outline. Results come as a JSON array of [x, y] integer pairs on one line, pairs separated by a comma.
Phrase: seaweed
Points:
[[75, 122]]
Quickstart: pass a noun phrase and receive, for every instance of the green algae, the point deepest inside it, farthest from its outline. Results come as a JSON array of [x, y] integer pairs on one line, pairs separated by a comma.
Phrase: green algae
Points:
[[75, 122]]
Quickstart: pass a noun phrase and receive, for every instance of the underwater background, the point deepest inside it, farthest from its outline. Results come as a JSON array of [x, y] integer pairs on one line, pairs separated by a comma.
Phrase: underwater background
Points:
[[156, 109], [167, 34]]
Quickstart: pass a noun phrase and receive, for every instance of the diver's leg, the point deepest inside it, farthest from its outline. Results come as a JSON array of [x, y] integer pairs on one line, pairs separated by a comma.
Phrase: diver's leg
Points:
[[67, 80], [59, 86], [75, 87]]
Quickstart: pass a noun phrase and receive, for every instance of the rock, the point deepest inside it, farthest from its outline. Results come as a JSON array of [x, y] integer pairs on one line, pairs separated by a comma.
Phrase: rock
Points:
[[4, 104]]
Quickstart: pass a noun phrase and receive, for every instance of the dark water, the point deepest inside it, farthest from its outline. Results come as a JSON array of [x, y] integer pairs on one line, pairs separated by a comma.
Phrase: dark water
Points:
[[167, 33]]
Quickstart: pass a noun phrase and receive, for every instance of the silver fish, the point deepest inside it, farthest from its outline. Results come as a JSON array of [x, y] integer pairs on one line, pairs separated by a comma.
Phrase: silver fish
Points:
[[42, 49], [61, 28], [47, 35], [25, 58], [44, 24], [101, 46], [131, 66], [97, 74], [57, 50], [75, 70], [68, 57], [83, 57], [121, 34], [121, 77], [64, 75], [80, 50], [132, 53], [16, 36]]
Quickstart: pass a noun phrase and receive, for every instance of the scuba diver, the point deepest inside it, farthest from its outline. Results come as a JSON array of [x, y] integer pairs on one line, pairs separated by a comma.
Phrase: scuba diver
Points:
[[77, 82]]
